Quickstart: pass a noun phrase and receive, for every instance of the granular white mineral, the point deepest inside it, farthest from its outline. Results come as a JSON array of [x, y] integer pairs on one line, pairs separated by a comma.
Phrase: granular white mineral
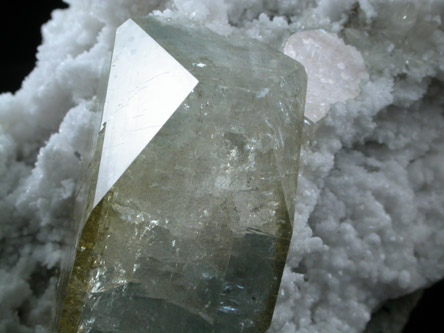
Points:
[[370, 208], [334, 70]]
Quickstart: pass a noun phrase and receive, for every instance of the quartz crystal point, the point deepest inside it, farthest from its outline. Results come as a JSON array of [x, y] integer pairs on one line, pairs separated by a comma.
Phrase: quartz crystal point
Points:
[[189, 214]]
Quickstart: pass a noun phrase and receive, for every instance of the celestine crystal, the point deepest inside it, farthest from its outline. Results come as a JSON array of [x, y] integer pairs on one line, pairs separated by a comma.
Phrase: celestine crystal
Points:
[[189, 214]]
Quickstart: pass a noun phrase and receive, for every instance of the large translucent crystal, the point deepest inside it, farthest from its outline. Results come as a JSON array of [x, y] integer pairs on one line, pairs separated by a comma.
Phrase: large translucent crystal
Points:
[[189, 215]]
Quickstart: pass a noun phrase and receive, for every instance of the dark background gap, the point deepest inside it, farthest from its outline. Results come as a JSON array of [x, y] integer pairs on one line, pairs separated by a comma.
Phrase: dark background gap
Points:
[[427, 316], [21, 35]]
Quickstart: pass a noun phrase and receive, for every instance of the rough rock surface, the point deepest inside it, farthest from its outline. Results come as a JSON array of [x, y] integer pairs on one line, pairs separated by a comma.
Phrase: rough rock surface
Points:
[[370, 210]]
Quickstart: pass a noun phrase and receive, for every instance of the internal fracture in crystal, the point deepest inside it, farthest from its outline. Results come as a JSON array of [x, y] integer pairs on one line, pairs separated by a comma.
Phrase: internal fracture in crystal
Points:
[[193, 232]]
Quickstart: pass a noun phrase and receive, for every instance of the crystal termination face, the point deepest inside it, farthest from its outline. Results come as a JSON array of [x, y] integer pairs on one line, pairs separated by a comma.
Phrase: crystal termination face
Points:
[[193, 235], [140, 100]]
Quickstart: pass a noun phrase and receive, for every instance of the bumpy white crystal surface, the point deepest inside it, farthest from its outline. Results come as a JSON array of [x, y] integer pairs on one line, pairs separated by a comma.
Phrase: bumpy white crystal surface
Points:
[[334, 69], [369, 219]]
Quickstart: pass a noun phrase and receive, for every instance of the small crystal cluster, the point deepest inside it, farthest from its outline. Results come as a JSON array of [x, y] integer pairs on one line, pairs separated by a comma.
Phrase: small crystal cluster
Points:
[[334, 69]]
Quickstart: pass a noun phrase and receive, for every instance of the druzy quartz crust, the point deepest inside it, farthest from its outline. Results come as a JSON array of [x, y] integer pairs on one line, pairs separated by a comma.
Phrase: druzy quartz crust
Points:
[[192, 234]]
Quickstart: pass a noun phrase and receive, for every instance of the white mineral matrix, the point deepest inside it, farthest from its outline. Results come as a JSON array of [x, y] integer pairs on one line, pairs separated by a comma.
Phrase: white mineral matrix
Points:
[[370, 203]]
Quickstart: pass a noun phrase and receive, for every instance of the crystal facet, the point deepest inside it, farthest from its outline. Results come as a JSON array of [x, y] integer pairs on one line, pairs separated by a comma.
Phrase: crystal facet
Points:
[[130, 125], [193, 234]]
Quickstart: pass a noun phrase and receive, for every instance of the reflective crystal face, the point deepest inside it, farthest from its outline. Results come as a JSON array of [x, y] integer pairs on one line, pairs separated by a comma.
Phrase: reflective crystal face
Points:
[[193, 234]]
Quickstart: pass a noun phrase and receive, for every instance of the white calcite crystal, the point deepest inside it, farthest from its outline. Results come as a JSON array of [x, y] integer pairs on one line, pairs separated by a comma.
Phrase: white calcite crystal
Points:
[[334, 70], [370, 211]]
